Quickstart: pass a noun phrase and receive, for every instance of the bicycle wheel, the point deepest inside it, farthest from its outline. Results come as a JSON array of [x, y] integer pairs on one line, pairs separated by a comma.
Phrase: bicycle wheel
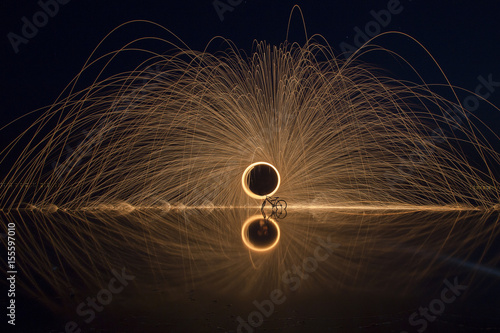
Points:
[[281, 211]]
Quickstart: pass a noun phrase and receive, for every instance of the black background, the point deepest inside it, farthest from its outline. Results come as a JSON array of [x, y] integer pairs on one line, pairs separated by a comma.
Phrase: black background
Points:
[[463, 37]]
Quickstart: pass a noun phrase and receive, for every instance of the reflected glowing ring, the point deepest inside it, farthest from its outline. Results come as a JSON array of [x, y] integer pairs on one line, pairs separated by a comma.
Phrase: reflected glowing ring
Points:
[[245, 185], [252, 247]]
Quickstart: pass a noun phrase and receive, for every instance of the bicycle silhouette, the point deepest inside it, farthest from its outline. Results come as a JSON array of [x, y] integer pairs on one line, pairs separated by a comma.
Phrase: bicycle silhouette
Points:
[[278, 208]]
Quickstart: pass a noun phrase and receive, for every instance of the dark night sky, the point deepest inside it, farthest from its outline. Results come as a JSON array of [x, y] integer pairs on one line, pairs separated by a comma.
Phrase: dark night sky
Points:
[[463, 36]]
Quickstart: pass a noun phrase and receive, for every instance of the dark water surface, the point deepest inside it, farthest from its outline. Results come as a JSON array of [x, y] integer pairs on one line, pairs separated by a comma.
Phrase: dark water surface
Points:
[[190, 271]]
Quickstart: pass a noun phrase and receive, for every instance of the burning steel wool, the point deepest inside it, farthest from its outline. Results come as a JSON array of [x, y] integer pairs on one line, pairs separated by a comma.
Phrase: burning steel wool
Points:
[[167, 166], [183, 127], [261, 180]]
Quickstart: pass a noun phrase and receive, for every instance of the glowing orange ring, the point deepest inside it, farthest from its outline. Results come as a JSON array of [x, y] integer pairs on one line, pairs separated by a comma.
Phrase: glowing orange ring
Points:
[[245, 185], [244, 229]]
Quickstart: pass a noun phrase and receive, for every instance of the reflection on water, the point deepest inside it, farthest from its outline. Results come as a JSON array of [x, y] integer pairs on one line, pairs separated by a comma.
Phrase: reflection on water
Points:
[[260, 234], [67, 256]]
